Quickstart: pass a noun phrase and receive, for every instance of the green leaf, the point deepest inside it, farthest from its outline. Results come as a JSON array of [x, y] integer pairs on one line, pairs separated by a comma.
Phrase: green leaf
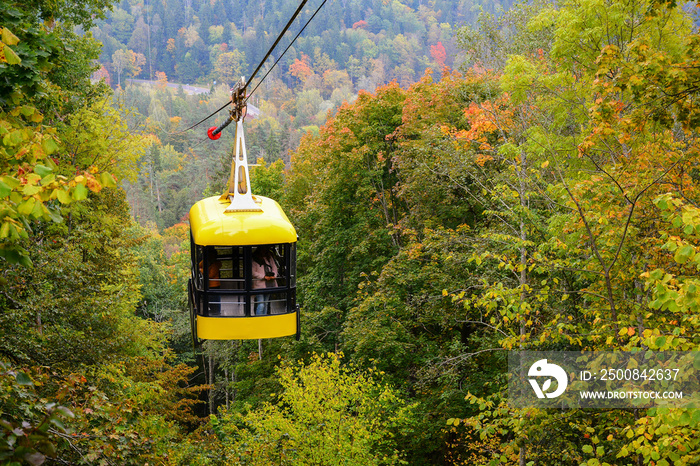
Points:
[[107, 180], [26, 207], [587, 449], [14, 255], [80, 192], [42, 170], [49, 145], [5, 190], [11, 56], [55, 215], [684, 254], [11, 182], [39, 210], [30, 189], [8, 37], [695, 418], [63, 196], [23, 379], [58, 423], [24, 260], [27, 110]]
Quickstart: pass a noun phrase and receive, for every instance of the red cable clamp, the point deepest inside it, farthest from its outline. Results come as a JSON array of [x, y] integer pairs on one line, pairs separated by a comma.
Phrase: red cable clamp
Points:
[[212, 136]]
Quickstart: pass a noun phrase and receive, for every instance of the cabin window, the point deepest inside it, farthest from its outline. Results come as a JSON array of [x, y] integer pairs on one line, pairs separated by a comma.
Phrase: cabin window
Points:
[[238, 281], [265, 304], [232, 270], [197, 258], [293, 265], [229, 305], [274, 259]]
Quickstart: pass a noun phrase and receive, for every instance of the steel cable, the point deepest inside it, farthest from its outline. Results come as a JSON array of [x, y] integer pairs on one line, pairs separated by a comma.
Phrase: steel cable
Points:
[[285, 50], [262, 62]]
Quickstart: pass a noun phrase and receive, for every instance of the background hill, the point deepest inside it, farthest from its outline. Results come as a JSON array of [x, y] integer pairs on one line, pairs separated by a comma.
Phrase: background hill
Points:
[[547, 198], [350, 43], [349, 46]]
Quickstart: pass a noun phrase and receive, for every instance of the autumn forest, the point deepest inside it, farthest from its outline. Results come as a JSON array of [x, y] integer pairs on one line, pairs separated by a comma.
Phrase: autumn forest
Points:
[[467, 179]]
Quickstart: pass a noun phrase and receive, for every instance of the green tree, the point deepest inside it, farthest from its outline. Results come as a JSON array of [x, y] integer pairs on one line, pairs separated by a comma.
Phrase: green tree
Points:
[[268, 180], [126, 61], [328, 414], [340, 194], [603, 114], [30, 427], [34, 182], [83, 379], [123, 25], [229, 67], [489, 43]]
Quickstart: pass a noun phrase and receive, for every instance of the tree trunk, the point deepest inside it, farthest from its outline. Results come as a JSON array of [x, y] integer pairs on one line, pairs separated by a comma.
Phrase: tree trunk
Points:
[[210, 381], [226, 386], [160, 207]]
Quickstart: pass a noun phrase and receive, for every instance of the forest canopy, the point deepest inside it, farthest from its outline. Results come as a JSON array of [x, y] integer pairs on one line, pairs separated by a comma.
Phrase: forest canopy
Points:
[[528, 180]]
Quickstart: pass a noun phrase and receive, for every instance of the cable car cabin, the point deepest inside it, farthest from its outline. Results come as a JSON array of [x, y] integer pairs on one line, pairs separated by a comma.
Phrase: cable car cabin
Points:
[[243, 283]]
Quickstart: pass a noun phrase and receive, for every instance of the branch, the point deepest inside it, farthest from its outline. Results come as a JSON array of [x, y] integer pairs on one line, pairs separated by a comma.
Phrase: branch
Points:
[[591, 240], [68, 439], [612, 178], [634, 203], [464, 356], [483, 323]]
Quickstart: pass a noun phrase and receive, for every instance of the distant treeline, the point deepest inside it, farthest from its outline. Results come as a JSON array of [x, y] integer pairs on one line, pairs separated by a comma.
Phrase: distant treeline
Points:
[[373, 41]]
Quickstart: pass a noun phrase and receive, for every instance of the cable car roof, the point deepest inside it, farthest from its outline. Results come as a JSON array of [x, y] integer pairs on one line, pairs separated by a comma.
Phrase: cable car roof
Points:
[[211, 226]]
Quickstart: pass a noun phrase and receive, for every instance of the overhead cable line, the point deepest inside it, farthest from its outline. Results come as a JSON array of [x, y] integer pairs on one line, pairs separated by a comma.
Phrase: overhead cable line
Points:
[[203, 119], [238, 93], [279, 37], [262, 62], [285, 50]]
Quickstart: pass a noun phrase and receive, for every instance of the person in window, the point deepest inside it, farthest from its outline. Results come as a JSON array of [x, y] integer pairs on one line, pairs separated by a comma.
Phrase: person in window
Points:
[[265, 272], [213, 272]]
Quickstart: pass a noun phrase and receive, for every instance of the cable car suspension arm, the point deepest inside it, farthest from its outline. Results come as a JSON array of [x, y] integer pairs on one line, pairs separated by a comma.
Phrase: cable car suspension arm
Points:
[[237, 113]]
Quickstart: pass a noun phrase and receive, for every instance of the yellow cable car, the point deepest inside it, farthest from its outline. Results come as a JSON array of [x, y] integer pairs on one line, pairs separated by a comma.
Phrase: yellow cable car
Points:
[[243, 262]]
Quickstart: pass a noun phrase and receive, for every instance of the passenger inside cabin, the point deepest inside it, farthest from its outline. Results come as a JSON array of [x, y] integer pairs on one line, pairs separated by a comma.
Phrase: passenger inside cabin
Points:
[[265, 272], [214, 282]]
